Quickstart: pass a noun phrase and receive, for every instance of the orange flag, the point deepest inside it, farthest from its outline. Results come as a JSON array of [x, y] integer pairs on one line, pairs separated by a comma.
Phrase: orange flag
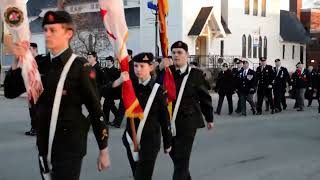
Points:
[[112, 13], [168, 80]]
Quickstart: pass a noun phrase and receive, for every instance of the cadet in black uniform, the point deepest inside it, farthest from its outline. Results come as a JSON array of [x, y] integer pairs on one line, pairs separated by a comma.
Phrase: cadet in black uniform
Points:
[[280, 85], [70, 138], [235, 72], [157, 119], [195, 102], [110, 94], [318, 87], [34, 50], [247, 87], [92, 59], [311, 87], [265, 77], [299, 82], [225, 87]]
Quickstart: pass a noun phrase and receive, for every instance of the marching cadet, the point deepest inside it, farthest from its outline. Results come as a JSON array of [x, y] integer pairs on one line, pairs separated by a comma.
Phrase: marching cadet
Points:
[[246, 87], [152, 99], [193, 101], [311, 87], [280, 85], [62, 146], [235, 72], [34, 50], [299, 81], [225, 87], [110, 94], [92, 59], [265, 77]]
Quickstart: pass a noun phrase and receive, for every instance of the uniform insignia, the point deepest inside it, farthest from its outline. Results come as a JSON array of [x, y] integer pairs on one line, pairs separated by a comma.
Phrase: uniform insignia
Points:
[[104, 134], [13, 16], [92, 74], [145, 58], [50, 18], [249, 77], [266, 70], [101, 119]]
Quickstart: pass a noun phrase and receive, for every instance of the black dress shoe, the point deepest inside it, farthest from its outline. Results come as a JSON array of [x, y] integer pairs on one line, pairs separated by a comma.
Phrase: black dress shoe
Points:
[[259, 113], [284, 107], [272, 111], [254, 112], [217, 113], [32, 132], [238, 111], [243, 114], [300, 109]]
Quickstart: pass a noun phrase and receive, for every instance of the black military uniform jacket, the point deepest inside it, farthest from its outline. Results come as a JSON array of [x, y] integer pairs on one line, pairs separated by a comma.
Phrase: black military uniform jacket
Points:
[[99, 77], [312, 76], [225, 82], [300, 81], [157, 119], [72, 126], [196, 101], [281, 78], [235, 72], [247, 83], [110, 75], [265, 77]]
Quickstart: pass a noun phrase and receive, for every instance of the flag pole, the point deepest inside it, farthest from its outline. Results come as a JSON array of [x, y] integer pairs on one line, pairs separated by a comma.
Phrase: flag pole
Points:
[[134, 135]]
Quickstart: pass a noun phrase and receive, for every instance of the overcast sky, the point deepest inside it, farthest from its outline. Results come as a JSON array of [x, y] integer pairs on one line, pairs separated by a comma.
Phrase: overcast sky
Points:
[[306, 4]]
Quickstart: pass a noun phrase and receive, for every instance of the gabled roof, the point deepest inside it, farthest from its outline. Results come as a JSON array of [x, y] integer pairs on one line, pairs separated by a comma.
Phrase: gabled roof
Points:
[[291, 29], [200, 21]]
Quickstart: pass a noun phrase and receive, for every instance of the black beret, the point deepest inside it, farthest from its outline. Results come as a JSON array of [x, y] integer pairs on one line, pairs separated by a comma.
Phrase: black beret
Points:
[[93, 53], [180, 44], [34, 45], [263, 59], [145, 57], [277, 60], [56, 17], [110, 58], [224, 65]]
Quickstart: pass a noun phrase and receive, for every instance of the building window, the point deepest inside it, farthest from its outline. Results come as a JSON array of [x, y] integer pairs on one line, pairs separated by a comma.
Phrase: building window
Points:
[[263, 8], [221, 48], [247, 7], [244, 46], [255, 51], [260, 47], [301, 54], [283, 51], [265, 47], [293, 49], [255, 7], [249, 46]]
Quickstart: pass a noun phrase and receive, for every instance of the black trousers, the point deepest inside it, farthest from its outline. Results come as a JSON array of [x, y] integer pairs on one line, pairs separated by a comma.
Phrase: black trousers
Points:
[[244, 97], [279, 98], [68, 168], [109, 105], [309, 95], [32, 113], [142, 169], [180, 154], [264, 92], [220, 102], [121, 112]]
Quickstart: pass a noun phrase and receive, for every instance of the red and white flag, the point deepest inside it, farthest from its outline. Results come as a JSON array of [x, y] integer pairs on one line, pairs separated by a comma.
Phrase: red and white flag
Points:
[[14, 15]]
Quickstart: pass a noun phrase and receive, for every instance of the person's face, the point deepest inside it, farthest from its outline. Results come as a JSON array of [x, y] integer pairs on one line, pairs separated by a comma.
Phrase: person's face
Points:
[[263, 63], [300, 66], [109, 63], [56, 36], [179, 56], [224, 68], [91, 59], [278, 64], [310, 68], [142, 70], [246, 65], [239, 65]]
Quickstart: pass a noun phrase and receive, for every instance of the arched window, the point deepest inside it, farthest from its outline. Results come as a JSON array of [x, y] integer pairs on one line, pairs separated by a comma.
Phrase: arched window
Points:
[[244, 46], [249, 46], [255, 7], [265, 47], [264, 8], [247, 7]]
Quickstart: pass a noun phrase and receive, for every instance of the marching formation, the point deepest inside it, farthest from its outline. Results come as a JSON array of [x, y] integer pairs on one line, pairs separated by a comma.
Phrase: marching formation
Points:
[[270, 84]]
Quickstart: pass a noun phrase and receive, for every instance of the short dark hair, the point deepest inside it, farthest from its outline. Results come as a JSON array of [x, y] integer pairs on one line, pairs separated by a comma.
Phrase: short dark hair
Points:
[[130, 52], [34, 45]]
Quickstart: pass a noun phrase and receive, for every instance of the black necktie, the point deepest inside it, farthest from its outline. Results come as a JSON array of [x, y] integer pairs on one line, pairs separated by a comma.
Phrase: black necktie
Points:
[[178, 72]]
